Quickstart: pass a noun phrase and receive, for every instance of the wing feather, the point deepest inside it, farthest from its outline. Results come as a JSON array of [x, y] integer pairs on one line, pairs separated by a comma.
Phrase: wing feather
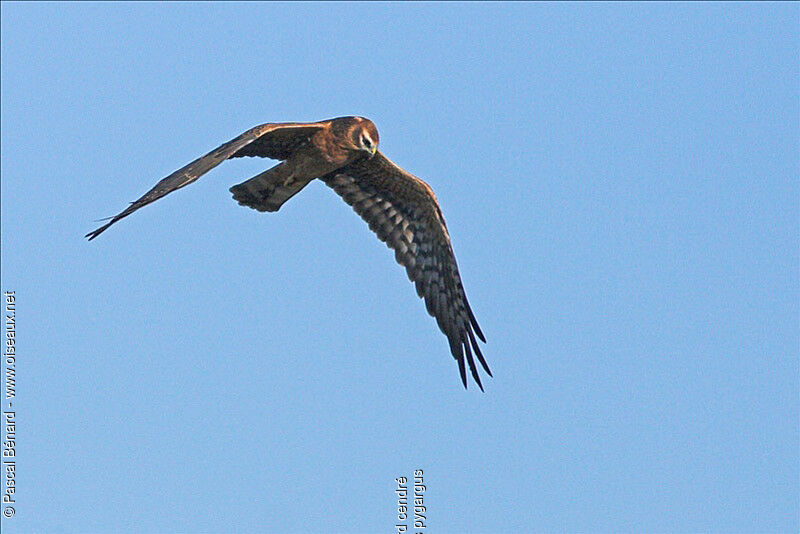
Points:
[[403, 212], [271, 140]]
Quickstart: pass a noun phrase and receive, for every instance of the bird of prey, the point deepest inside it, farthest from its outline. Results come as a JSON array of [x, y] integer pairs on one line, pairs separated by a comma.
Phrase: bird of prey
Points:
[[399, 207]]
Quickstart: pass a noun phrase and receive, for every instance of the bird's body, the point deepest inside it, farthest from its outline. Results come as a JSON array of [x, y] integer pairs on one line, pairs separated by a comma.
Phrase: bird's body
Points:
[[399, 207], [326, 150]]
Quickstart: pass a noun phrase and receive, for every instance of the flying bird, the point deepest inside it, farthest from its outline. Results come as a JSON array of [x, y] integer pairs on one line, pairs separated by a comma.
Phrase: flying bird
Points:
[[399, 207]]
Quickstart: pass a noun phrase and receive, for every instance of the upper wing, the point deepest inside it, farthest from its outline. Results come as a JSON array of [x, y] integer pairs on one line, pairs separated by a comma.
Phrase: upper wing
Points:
[[272, 140], [402, 210]]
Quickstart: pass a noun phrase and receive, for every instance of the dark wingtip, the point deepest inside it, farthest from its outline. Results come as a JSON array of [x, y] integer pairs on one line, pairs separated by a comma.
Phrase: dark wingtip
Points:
[[478, 353], [478, 331], [472, 369], [92, 235], [462, 371], [473, 321], [475, 326], [463, 354], [114, 219]]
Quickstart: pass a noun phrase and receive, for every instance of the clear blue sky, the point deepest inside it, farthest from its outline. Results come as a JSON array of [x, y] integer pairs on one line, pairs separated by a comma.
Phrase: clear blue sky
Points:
[[621, 187]]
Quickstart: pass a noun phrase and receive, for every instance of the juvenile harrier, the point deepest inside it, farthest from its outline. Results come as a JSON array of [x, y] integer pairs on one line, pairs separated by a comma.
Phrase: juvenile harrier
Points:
[[399, 207]]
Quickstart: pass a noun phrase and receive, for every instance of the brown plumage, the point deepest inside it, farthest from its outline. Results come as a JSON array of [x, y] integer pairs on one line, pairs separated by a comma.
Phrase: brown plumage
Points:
[[399, 207]]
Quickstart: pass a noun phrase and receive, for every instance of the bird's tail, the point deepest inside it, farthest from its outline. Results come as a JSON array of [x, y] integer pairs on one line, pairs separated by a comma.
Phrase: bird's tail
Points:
[[269, 190]]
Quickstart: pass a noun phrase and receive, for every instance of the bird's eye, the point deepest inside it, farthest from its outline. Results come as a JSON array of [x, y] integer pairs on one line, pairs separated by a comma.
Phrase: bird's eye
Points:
[[365, 142]]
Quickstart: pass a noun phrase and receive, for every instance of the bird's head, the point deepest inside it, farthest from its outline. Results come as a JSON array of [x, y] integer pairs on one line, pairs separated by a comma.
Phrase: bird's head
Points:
[[364, 136]]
